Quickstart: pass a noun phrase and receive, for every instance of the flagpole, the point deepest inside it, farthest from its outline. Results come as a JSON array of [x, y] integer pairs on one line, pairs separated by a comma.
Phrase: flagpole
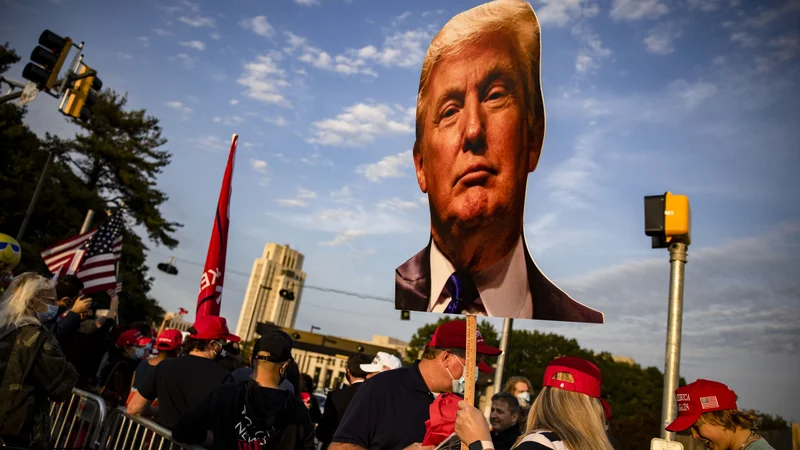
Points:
[[87, 222]]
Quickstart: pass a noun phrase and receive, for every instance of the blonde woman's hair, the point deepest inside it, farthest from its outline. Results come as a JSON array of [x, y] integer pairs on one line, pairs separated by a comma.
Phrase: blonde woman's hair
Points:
[[16, 305], [576, 418], [513, 17]]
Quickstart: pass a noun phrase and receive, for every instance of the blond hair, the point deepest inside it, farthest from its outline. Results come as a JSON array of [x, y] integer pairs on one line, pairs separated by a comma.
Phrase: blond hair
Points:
[[575, 418], [512, 17], [16, 306]]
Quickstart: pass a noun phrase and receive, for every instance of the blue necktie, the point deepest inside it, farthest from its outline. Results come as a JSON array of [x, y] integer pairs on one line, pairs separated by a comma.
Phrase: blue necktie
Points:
[[463, 292]]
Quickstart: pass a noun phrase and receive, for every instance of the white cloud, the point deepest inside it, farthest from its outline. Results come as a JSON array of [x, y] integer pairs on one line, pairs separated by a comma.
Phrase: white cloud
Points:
[[396, 204], [212, 143], [124, 56], [430, 13], [704, 5], [316, 159], [194, 7], [234, 102], [280, 157], [344, 64], [265, 80], [392, 166], [215, 36], [594, 109], [660, 38], [745, 39], [788, 46], [258, 25], [187, 60], [637, 9], [258, 165], [592, 52], [572, 182], [299, 201], [197, 45], [163, 32], [276, 120], [560, 12], [361, 123], [584, 62], [180, 107], [344, 192], [692, 94], [229, 120], [307, 2], [144, 40], [197, 21]]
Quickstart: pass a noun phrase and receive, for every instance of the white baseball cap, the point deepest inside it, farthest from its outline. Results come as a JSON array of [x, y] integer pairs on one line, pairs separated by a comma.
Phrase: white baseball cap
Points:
[[383, 361]]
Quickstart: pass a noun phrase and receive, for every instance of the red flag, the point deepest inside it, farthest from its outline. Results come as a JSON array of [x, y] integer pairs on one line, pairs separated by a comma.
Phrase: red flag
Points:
[[210, 295]]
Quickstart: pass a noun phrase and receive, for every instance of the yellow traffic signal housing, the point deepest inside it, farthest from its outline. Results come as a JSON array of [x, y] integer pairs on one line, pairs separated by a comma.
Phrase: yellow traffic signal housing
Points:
[[76, 105], [667, 219], [62, 56]]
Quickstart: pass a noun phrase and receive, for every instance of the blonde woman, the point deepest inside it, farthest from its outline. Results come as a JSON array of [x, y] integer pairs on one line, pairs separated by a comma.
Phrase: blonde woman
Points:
[[709, 409], [566, 415], [33, 369]]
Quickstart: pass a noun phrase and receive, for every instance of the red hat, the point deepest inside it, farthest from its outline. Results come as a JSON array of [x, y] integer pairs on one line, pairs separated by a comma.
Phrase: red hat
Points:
[[453, 334], [699, 397], [305, 396], [585, 375], [169, 340], [132, 337], [212, 327]]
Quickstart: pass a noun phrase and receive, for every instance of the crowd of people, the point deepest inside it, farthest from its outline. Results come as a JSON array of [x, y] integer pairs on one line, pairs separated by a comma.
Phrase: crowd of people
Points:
[[199, 387]]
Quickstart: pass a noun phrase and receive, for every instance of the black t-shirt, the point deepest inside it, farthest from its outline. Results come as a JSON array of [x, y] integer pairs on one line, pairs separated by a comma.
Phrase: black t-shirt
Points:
[[388, 412], [143, 371], [181, 383], [247, 416]]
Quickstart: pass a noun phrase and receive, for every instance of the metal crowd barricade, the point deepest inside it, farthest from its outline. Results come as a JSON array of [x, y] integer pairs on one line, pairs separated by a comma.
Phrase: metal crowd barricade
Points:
[[124, 432], [76, 423]]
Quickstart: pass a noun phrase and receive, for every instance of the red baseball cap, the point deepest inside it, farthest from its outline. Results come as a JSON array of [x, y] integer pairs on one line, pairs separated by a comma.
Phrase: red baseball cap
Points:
[[132, 337], [212, 327], [699, 397], [586, 377], [169, 340], [453, 334]]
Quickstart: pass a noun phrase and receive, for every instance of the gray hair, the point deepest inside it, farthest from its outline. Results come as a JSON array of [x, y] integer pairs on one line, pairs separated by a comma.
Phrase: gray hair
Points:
[[16, 305], [518, 20]]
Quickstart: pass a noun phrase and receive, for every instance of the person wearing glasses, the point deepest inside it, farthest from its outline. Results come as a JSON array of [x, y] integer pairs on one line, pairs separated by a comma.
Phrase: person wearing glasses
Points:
[[33, 369], [254, 414]]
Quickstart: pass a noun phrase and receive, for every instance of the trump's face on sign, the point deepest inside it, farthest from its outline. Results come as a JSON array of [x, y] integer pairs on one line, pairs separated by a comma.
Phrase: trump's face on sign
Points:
[[479, 134], [475, 149]]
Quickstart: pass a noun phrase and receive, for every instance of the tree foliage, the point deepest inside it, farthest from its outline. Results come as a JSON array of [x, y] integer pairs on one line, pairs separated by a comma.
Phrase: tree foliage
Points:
[[117, 157], [424, 334]]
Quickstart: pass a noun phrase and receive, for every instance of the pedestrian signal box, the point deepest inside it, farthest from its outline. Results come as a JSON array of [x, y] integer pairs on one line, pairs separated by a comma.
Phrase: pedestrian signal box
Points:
[[667, 219]]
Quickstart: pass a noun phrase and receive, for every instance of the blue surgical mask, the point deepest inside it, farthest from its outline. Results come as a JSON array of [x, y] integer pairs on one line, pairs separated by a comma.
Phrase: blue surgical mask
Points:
[[459, 384], [50, 314], [138, 353]]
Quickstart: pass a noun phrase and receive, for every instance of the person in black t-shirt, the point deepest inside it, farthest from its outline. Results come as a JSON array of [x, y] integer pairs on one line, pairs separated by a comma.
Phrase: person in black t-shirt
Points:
[[254, 414], [168, 344], [181, 383]]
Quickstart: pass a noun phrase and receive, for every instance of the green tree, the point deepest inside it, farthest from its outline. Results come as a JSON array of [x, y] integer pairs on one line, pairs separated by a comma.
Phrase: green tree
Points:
[[8, 57]]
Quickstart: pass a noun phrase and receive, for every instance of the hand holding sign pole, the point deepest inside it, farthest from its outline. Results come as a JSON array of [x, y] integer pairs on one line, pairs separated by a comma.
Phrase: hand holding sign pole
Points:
[[211, 282]]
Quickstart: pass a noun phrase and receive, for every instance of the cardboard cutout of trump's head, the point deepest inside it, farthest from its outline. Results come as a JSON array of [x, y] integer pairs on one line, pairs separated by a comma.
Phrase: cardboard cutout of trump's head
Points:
[[479, 134]]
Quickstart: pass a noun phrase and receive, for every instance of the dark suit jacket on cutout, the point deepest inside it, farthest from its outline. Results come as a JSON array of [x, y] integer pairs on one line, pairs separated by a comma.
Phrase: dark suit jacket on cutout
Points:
[[413, 286]]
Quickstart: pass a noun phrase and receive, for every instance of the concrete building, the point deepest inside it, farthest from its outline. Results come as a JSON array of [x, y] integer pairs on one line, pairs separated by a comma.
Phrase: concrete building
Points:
[[178, 323], [277, 272], [397, 345]]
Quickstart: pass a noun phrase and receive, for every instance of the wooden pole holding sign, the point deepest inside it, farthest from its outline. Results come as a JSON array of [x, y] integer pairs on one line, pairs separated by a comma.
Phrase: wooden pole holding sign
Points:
[[472, 362]]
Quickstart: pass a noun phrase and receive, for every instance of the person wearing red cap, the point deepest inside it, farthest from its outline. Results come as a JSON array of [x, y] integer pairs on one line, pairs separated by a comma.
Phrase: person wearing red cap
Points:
[[116, 376], [709, 409], [389, 411], [568, 413], [168, 344], [181, 383]]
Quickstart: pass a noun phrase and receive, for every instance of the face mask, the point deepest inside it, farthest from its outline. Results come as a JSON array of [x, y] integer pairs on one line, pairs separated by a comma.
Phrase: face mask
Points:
[[524, 399], [138, 353], [50, 314], [459, 384]]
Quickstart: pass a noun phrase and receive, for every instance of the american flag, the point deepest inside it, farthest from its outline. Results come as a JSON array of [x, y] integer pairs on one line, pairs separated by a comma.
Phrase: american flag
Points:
[[91, 256], [709, 402]]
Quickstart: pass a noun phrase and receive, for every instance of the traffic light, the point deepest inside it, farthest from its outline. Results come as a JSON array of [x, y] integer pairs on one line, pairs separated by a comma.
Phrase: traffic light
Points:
[[83, 94], [405, 315], [168, 268], [48, 57], [286, 294], [667, 219]]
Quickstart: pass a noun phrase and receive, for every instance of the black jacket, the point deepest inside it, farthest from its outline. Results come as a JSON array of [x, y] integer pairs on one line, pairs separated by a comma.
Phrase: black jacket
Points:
[[504, 440], [246, 415], [335, 406]]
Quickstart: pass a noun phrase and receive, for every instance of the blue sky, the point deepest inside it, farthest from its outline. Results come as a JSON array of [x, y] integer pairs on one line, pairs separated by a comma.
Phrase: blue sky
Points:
[[693, 96]]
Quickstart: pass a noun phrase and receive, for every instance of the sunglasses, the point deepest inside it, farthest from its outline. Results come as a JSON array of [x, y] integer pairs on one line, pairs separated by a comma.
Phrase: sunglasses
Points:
[[14, 247]]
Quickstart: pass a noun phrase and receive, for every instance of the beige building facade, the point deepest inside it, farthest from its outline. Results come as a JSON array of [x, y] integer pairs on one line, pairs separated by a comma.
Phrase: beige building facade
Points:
[[280, 269]]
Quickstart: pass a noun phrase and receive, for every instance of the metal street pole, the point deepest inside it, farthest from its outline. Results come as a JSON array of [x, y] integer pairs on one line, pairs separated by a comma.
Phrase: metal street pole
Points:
[[87, 222], [35, 197], [677, 259], [505, 342]]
